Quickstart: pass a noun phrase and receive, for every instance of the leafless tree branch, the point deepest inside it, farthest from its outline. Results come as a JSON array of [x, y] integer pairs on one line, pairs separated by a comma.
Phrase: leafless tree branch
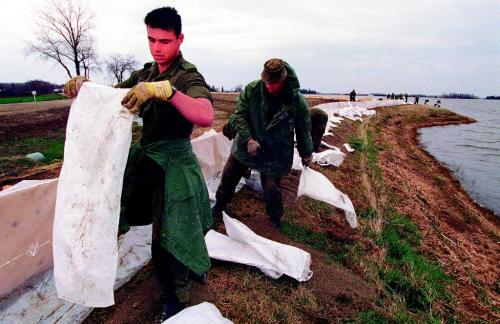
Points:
[[118, 65], [63, 35]]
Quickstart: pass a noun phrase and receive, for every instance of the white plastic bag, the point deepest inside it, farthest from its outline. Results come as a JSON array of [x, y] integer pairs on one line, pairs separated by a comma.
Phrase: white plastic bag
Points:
[[315, 185], [245, 247], [329, 157], [204, 313], [98, 137], [348, 148]]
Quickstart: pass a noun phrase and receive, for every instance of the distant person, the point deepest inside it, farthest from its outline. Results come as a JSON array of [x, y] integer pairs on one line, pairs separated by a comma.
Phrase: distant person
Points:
[[352, 95], [438, 103], [406, 97], [426, 101], [163, 183], [268, 113], [388, 96], [392, 95], [416, 100]]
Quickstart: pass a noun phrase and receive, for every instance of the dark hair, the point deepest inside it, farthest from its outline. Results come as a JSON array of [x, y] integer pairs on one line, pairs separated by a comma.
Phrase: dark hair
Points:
[[165, 18]]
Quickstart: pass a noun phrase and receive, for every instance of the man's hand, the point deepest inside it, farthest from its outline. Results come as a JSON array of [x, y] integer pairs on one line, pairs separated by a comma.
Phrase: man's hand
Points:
[[307, 160], [253, 147], [72, 87], [229, 131], [144, 91]]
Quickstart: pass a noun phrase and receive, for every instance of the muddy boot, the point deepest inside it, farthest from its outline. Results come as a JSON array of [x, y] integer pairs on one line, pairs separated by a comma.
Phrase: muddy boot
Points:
[[217, 216], [171, 308], [247, 173], [276, 223]]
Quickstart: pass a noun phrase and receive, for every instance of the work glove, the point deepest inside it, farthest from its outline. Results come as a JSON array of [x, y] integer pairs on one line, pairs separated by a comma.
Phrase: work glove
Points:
[[253, 147], [229, 131], [307, 160], [144, 91], [72, 87]]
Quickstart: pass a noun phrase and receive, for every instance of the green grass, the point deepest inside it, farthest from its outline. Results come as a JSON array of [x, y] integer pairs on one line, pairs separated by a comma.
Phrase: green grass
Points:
[[52, 147], [369, 148], [412, 283], [30, 98], [335, 251], [356, 143], [371, 317], [13, 152], [420, 281]]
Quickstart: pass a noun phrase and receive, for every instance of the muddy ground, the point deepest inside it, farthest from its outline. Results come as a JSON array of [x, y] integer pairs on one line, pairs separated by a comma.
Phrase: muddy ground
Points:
[[458, 234]]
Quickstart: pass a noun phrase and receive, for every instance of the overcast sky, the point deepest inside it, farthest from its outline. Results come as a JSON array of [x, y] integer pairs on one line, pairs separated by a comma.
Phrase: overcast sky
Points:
[[414, 46]]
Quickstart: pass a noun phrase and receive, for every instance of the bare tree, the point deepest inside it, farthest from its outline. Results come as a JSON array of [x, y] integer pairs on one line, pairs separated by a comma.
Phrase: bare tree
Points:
[[89, 58], [63, 35], [117, 65]]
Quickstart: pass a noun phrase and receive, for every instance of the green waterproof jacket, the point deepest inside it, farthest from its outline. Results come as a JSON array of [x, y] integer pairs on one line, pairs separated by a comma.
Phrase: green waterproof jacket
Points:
[[187, 211], [274, 132]]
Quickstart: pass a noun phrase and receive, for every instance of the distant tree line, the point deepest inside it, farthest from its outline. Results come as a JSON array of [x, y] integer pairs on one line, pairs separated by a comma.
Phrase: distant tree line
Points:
[[493, 97], [308, 91], [24, 89], [459, 95]]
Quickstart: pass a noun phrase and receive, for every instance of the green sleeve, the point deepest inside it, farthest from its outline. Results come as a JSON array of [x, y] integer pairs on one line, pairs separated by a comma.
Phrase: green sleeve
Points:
[[130, 82], [303, 128], [240, 119], [193, 84]]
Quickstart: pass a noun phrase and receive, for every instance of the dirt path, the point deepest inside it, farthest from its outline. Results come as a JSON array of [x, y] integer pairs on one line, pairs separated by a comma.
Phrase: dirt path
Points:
[[22, 121], [365, 174], [25, 107]]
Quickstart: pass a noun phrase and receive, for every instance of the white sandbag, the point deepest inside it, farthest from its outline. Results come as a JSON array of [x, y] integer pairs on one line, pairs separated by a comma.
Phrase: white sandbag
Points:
[[38, 303], [26, 217], [333, 147], [24, 184], [204, 313], [98, 137], [212, 150], [297, 161], [348, 148], [327, 132], [329, 157], [245, 247], [254, 181], [315, 185]]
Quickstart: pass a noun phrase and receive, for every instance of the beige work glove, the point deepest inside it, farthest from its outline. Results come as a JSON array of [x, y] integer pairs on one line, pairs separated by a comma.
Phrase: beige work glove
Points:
[[72, 87], [144, 91], [253, 147]]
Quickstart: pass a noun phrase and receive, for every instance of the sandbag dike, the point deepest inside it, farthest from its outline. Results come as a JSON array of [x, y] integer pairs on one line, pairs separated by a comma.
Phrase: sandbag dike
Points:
[[33, 256]]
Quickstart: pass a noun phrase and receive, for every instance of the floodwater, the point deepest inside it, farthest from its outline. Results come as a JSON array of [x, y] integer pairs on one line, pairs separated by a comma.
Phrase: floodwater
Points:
[[472, 151]]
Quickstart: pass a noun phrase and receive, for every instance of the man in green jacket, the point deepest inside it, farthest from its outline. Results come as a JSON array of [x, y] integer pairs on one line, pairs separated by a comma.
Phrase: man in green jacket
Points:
[[163, 183], [269, 112]]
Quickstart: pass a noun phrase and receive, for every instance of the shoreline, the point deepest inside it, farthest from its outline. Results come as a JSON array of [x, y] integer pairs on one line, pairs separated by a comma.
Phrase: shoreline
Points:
[[443, 164], [485, 209], [458, 232]]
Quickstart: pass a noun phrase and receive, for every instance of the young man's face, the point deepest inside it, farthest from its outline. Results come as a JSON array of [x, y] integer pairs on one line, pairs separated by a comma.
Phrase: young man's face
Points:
[[164, 45], [274, 88]]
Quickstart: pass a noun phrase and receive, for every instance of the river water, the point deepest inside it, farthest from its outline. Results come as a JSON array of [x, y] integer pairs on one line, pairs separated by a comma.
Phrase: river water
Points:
[[472, 151]]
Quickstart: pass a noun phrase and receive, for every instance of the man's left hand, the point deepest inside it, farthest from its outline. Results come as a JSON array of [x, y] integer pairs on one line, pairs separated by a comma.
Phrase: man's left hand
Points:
[[307, 160], [144, 91]]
